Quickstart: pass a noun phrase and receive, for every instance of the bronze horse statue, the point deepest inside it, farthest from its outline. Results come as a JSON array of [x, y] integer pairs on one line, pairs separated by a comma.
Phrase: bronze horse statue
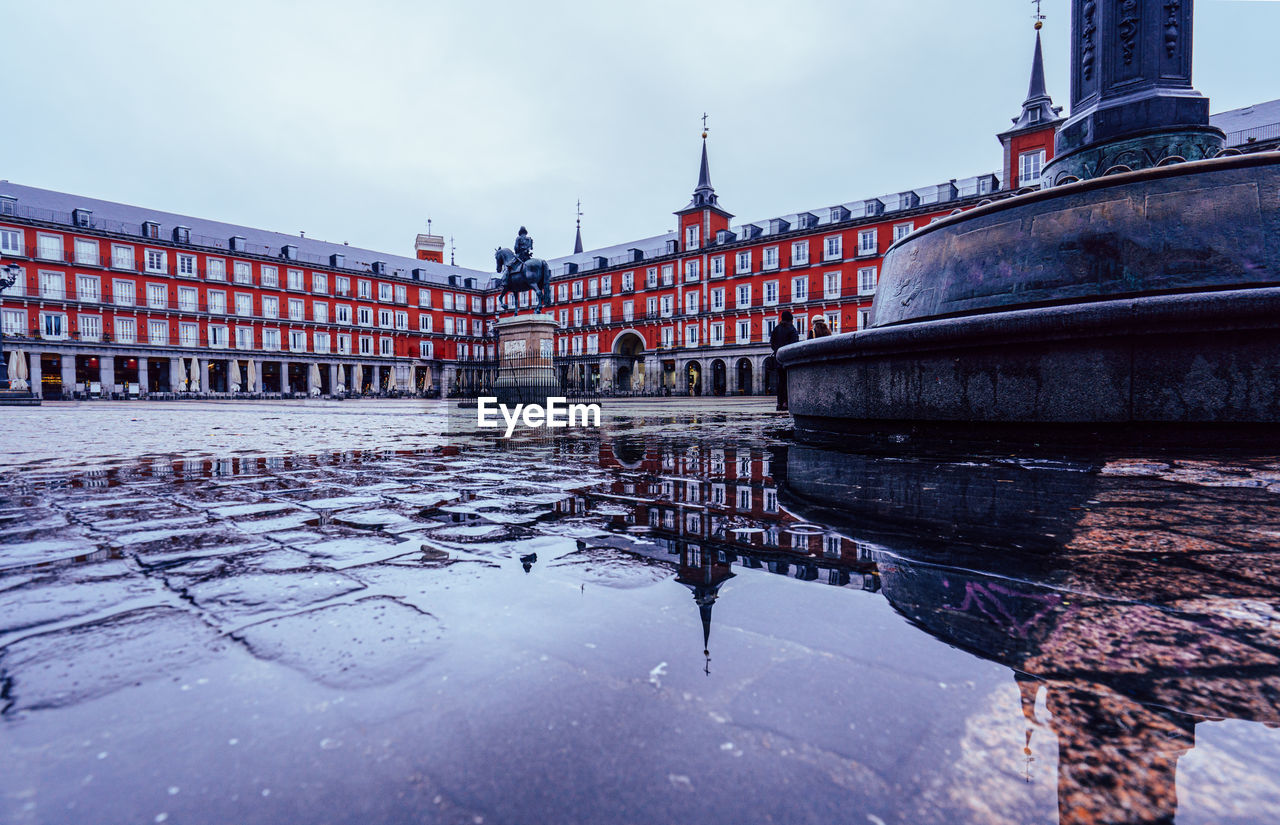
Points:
[[518, 276]]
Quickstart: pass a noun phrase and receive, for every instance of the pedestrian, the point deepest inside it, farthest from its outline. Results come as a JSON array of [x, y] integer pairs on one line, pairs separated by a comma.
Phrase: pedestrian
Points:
[[820, 328], [783, 334]]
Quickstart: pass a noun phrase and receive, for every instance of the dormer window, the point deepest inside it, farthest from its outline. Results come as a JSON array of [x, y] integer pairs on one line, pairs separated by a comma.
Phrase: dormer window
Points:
[[181, 234], [151, 229], [82, 218]]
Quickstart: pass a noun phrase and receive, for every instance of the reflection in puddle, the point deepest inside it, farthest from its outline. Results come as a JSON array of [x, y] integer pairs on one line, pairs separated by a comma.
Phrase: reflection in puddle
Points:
[[911, 637]]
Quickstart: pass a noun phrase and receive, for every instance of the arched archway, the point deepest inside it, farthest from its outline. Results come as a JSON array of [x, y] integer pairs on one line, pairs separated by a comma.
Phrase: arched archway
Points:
[[719, 377], [744, 376], [693, 378], [628, 362]]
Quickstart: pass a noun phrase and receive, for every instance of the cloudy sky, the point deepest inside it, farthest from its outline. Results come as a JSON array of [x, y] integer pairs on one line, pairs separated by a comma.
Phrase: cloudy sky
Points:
[[356, 121]]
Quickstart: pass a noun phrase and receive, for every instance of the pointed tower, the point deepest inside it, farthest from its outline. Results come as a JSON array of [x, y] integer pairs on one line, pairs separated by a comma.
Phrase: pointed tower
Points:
[[1028, 146], [703, 217], [577, 241]]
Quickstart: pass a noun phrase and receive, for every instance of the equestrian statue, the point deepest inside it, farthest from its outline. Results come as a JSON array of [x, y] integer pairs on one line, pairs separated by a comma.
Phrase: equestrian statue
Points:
[[520, 271]]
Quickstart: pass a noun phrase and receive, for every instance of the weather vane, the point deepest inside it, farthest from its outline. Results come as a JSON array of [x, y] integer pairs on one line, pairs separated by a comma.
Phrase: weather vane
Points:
[[1038, 17], [704, 125], [579, 213]]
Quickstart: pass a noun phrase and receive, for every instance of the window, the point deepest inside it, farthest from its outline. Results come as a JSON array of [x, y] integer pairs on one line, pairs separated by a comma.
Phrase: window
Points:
[[189, 335], [402, 320], [53, 325], [831, 285], [691, 303], [424, 322], [218, 336], [297, 341], [771, 257], [320, 283], [49, 247], [799, 253], [866, 280], [87, 289], [667, 301], [864, 318], [692, 269], [691, 335], [244, 304], [364, 289], [692, 236], [577, 316], [651, 307], [342, 313], [244, 337], [366, 345], [717, 266], [1030, 165], [11, 242], [668, 274], [744, 331], [123, 293], [606, 285], [384, 318], [121, 256], [902, 230], [606, 313], [157, 296], [770, 293], [460, 301], [402, 294], [158, 332], [833, 248], [593, 315], [447, 303], [270, 276], [628, 310], [364, 316], [628, 281], [187, 266], [384, 292], [424, 297], [651, 277], [475, 304], [90, 327], [563, 292], [217, 302], [320, 342], [270, 306], [577, 290], [271, 339], [867, 243], [668, 335], [743, 296], [126, 331], [241, 272], [157, 260], [593, 288], [593, 344], [833, 321], [320, 312], [770, 324], [744, 262], [215, 269], [448, 325], [297, 310], [86, 252], [14, 322], [188, 299], [717, 299], [424, 349], [293, 279], [344, 344], [717, 334], [799, 289]]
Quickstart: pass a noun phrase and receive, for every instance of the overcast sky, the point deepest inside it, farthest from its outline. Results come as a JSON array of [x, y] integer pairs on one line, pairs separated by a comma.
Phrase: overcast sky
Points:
[[356, 121]]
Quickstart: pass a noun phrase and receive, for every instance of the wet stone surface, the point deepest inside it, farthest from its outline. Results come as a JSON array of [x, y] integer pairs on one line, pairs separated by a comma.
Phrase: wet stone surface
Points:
[[683, 617]]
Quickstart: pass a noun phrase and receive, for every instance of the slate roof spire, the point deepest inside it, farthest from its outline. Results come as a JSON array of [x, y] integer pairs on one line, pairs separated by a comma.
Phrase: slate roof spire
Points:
[[577, 242], [704, 194], [1038, 108]]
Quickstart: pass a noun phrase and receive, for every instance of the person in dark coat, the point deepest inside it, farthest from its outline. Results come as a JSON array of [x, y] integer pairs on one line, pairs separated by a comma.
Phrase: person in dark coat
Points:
[[820, 328], [784, 333]]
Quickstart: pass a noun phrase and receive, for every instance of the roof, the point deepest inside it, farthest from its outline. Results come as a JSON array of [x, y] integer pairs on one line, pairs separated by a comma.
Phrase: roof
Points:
[[46, 204], [1249, 118]]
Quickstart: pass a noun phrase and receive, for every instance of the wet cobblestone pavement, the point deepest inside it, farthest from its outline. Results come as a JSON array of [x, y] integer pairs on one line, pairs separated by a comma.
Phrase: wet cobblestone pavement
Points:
[[685, 617]]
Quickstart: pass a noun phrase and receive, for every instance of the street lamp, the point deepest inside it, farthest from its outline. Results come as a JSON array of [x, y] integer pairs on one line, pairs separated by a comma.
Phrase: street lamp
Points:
[[9, 274]]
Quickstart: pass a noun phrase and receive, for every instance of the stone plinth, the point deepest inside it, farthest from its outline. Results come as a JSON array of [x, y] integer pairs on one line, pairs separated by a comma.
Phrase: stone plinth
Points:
[[526, 373]]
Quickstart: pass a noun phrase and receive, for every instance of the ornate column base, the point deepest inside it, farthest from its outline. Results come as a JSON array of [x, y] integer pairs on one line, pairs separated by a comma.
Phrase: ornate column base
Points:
[[1145, 151]]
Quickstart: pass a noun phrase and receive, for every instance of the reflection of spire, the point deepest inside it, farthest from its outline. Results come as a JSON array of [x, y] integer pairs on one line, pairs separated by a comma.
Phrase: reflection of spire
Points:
[[703, 576]]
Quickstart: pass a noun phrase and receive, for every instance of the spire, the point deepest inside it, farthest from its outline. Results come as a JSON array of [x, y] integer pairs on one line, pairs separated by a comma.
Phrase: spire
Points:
[[577, 242], [1038, 109], [704, 194]]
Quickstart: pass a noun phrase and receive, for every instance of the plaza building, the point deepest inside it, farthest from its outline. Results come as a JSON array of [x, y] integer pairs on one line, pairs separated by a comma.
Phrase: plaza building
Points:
[[114, 300]]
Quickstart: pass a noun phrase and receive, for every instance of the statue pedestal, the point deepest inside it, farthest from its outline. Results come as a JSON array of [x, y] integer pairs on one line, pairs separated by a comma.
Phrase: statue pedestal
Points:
[[526, 374]]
